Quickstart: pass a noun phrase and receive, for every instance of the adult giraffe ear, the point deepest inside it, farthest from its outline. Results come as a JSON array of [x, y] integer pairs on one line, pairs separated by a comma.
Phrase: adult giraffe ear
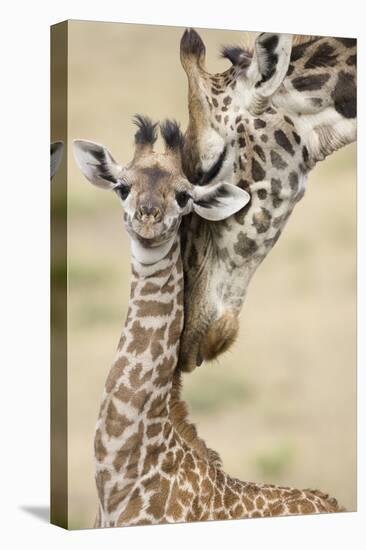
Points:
[[268, 68], [219, 201], [96, 163], [57, 148]]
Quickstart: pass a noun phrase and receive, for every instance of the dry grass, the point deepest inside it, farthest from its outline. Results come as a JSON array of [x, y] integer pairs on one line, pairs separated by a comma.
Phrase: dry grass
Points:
[[280, 406]]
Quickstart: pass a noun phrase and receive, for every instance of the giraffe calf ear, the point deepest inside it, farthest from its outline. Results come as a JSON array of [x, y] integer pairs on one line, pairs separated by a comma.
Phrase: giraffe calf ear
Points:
[[96, 163], [57, 148], [268, 69], [219, 202]]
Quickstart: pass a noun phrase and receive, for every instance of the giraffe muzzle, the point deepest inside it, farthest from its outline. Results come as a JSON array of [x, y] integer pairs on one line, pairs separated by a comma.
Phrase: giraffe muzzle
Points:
[[148, 214], [147, 224]]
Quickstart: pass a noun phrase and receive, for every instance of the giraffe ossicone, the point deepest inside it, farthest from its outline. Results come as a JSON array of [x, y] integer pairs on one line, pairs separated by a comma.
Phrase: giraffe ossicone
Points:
[[151, 466]]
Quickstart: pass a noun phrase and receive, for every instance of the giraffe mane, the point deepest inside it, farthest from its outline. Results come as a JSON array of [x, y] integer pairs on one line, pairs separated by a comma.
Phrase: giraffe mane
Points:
[[188, 432]]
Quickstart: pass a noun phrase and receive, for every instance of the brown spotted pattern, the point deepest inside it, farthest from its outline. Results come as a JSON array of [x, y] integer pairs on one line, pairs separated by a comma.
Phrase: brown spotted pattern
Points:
[[324, 69]]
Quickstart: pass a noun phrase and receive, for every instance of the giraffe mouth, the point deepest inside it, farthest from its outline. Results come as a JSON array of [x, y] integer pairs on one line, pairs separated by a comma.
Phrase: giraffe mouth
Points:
[[152, 233], [151, 241], [149, 231]]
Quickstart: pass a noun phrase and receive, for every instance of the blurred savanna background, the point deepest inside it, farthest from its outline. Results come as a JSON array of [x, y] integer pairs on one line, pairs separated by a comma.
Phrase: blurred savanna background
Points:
[[280, 406]]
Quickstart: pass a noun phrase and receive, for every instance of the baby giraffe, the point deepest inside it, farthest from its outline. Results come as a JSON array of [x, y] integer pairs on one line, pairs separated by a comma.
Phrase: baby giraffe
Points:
[[150, 465]]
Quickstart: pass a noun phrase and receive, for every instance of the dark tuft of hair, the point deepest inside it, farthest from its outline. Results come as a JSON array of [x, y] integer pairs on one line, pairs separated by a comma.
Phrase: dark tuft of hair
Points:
[[172, 135], [147, 130], [236, 55], [192, 44]]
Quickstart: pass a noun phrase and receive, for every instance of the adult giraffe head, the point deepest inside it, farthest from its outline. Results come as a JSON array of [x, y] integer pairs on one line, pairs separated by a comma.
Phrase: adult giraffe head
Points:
[[312, 81], [260, 125]]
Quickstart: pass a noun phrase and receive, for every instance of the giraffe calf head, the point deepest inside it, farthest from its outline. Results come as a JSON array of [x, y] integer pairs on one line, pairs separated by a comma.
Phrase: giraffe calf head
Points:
[[153, 190]]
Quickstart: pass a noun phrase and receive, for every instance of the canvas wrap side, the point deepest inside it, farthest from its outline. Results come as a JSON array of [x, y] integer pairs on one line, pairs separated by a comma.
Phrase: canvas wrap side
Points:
[[59, 474]]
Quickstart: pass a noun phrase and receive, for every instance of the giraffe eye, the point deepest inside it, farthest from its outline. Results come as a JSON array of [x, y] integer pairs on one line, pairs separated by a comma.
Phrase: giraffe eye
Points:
[[211, 174], [123, 190], [182, 197]]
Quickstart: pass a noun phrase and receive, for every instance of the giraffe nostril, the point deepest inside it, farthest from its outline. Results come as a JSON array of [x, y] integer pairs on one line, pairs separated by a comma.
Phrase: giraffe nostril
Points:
[[157, 214], [148, 211]]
